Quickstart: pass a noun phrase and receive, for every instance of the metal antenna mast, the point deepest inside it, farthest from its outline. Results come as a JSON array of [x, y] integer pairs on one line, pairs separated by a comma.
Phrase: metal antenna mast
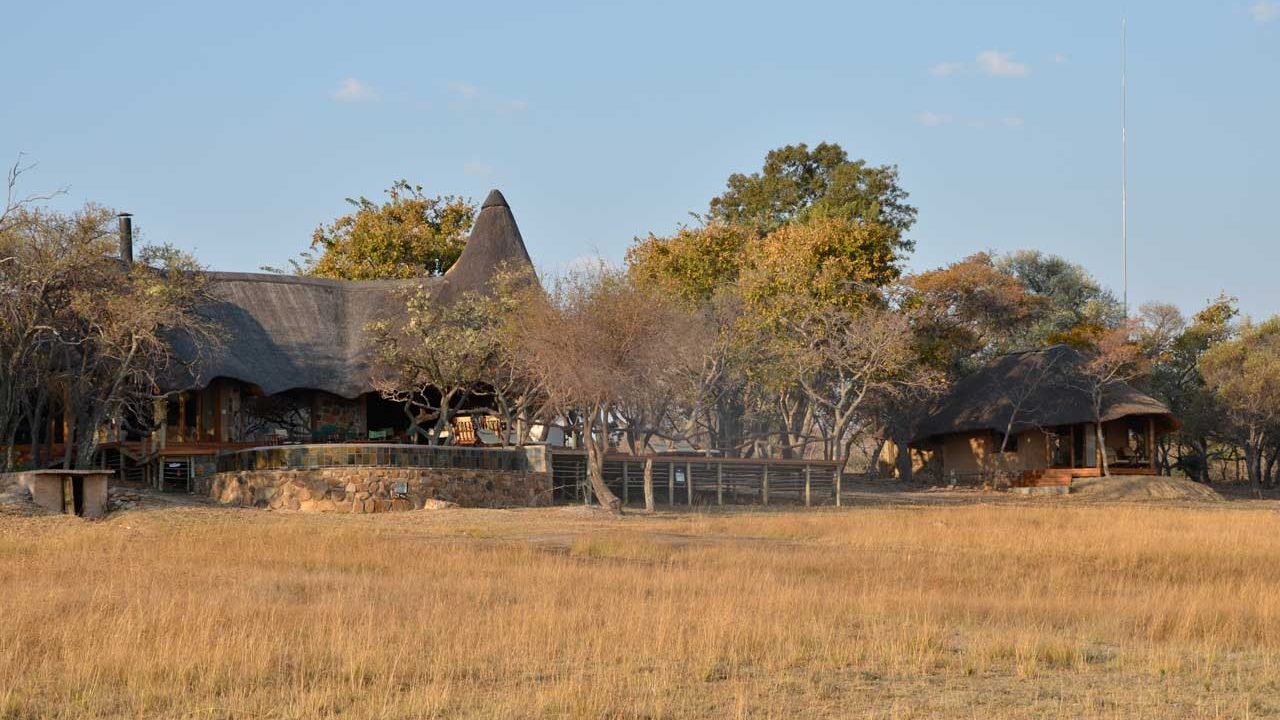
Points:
[[1124, 161]]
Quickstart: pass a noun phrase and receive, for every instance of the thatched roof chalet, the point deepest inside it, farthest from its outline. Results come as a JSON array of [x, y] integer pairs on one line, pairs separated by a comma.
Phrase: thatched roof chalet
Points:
[[1043, 387], [281, 332]]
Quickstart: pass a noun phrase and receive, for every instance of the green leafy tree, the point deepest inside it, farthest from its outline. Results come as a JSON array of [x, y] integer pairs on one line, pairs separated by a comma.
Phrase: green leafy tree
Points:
[[695, 264], [796, 183], [434, 358], [967, 312], [409, 236], [1077, 309], [1175, 346], [1244, 373]]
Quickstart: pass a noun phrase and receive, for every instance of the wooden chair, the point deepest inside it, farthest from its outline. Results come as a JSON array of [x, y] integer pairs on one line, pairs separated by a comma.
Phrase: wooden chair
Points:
[[490, 430], [464, 430]]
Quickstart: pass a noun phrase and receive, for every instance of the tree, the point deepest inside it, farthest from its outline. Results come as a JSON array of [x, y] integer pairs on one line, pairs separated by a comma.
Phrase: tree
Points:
[[13, 200], [695, 264], [1113, 361], [409, 236], [1174, 347], [433, 359], [99, 332], [518, 396], [812, 225], [797, 182], [1244, 373], [850, 358], [595, 342], [1077, 310], [968, 312]]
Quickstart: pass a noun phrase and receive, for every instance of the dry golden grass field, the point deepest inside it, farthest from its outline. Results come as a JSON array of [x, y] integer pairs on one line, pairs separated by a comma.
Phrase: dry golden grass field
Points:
[[976, 609]]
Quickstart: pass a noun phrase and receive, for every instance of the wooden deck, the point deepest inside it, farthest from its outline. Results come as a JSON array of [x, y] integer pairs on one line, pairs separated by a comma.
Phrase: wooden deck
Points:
[[1056, 477]]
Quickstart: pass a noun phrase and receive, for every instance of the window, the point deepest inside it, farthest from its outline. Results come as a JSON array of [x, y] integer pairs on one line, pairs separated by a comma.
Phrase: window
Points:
[[1010, 444]]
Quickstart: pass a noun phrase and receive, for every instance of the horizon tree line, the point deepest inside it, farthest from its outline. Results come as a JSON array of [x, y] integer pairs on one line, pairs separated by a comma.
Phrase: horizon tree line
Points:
[[780, 323]]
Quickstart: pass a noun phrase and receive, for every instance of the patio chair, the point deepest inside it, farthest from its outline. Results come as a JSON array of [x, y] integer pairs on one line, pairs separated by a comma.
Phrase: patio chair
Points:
[[464, 430]]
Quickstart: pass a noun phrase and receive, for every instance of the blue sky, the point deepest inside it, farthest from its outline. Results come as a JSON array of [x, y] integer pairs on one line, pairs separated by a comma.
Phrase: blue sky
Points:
[[233, 129]]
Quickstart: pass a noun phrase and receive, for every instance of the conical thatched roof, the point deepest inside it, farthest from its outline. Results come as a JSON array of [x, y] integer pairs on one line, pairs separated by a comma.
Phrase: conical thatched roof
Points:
[[1044, 387], [495, 239], [281, 332]]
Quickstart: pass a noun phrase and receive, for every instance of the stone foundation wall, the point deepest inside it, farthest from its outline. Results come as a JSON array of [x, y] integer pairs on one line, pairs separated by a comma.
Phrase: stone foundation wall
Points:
[[374, 489]]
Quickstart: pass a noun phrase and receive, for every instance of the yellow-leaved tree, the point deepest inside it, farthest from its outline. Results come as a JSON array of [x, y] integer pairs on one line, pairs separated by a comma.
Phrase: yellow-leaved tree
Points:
[[411, 235]]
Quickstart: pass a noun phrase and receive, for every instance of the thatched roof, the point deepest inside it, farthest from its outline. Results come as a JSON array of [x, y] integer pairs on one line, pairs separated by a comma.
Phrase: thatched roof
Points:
[[281, 332], [1043, 385]]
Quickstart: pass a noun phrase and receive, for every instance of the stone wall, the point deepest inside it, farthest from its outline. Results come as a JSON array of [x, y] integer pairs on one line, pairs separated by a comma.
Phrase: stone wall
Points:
[[375, 489]]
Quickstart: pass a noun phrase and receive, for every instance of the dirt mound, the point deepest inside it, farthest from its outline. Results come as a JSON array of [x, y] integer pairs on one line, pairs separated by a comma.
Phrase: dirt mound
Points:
[[1143, 487]]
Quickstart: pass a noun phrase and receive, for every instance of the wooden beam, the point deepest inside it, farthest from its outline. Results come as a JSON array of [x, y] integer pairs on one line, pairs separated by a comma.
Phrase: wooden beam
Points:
[[626, 492], [182, 417], [160, 417], [671, 484], [199, 396], [807, 486], [839, 476], [764, 485], [1151, 443], [1073, 446]]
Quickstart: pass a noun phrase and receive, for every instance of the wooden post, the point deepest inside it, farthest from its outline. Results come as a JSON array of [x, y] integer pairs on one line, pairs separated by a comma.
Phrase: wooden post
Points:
[[1151, 444], [182, 417], [671, 484], [199, 398], [1073, 447], [719, 483], [764, 485], [161, 419], [839, 476], [807, 485], [626, 493], [688, 482]]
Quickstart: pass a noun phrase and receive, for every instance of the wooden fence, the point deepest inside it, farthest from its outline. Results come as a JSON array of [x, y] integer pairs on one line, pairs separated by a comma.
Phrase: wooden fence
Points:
[[686, 481]]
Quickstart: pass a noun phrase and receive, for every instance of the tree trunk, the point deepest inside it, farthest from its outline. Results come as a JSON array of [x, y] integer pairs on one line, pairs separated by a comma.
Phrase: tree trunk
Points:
[[39, 436], [650, 505], [10, 442], [1253, 460], [67, 437], [597, 443], [1102, 448], [903, 460], [873, 465]]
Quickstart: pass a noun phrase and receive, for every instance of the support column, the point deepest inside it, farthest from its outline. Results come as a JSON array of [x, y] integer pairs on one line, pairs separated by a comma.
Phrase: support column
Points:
[[839, 476], [626, 492], [182, 417], [1151, 444], [807, 486], [688, 482], [671, 484]]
